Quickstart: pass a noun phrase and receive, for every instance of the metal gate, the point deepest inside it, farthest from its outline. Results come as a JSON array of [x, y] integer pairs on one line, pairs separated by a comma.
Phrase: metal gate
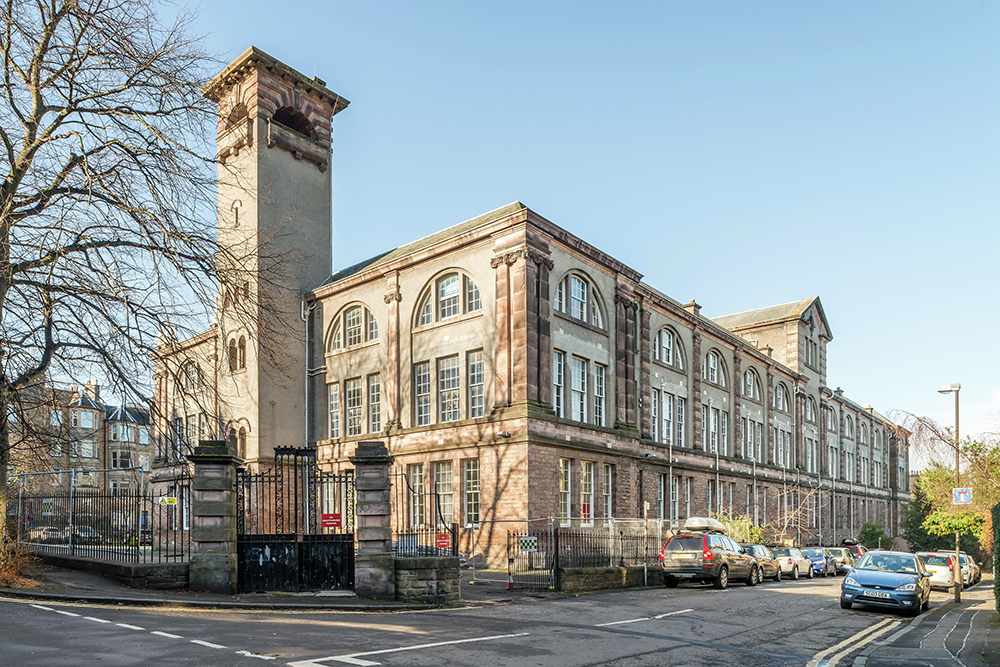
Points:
[[533, 557], [295, 525]]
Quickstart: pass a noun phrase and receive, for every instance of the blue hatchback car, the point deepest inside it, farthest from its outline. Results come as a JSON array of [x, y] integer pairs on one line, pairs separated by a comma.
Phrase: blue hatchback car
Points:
[[823, 562], [888, 579]]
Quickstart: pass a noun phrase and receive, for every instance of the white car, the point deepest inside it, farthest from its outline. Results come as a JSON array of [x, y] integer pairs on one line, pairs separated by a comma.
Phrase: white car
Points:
[[793, 562], [941, 566]]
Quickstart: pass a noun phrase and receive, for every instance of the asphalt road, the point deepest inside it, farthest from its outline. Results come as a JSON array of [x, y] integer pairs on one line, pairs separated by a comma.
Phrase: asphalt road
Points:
[[777, 623]]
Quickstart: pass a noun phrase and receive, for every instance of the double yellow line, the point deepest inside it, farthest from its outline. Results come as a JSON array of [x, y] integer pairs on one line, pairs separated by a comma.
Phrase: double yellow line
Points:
[[866, 636]]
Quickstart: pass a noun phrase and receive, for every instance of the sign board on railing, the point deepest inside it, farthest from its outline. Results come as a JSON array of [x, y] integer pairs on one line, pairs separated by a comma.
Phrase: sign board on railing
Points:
[[330, 520], [168, 500], [528, 543], [442, 540]]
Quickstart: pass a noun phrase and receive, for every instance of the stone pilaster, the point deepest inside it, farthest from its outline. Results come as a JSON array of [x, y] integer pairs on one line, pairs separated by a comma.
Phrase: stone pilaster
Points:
[[392, 380], [737, 427], [213, 518], [645, 341], [696, 425], [374, 566], [502, 358], [626, 308], [769, 441]]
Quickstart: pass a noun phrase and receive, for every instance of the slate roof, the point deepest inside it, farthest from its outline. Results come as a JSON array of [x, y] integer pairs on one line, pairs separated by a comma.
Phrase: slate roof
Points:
[[130, 414], [83, 400], [772, 314], [427, 241]]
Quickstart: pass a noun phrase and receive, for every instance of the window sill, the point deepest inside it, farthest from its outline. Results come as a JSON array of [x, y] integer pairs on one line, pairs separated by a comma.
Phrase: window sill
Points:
[[451, 320], [580, 323], [670, 367], [354, 348]]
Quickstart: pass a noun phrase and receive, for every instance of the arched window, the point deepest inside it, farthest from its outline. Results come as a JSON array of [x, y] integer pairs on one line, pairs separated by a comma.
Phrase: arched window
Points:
[[848, 427], [355, 326], [241, 352], [713, 369], [576, 297], [242, 442], [293, 119], [234, 361], [781, 398], [451, 295], [811, 411], [231, 440], [831, 420], [235, 208], [751, 385], [667, 349], [863, 439]]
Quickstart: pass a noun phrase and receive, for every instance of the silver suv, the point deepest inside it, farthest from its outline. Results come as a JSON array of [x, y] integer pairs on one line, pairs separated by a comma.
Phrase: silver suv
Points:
[[703, 552]]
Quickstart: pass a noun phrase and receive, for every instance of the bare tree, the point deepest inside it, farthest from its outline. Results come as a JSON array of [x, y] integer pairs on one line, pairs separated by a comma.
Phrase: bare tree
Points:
[[107, 237]]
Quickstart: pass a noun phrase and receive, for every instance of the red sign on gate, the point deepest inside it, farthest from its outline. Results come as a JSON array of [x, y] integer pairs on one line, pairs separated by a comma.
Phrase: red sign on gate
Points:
[[330, 520], [443, 540]]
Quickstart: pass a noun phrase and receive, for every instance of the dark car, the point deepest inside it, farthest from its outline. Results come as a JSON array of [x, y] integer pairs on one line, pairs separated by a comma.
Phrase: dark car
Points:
[[86, 535], [703, 552], [823, 562], [770, 568], [888, 579]]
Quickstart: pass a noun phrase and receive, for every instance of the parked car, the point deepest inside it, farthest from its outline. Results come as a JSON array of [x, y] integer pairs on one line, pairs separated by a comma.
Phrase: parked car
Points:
[[46, 534], [768, 564], [822, 561], [793, 562], [968, 569], [86, 535], [888, 579], [703, 552], [977, 570], [941, 565], [857, 550], [843, 557]]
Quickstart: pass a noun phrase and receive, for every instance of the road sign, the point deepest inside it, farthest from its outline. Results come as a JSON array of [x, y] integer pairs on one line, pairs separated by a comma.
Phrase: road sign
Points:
[[961, 496], [168, 500], [331, 520], [47, 507], [442, 540], [528, 543]]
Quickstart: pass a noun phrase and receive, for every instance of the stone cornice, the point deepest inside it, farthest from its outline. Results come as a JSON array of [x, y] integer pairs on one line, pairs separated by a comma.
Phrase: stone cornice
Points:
[[526, 253]]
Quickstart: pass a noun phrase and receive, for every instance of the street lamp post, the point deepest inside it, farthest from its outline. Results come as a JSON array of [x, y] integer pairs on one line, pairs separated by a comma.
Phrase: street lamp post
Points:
[[959, 580]]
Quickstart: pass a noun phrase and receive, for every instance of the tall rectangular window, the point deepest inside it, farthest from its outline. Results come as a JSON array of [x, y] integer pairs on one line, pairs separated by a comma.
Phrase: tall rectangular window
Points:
[[654, 408], [374, 403], [558, 382], [355, 405], [472, 300], [668, 421], [86, 419], [759, 442], [674, 497], [333, 405], [56, 418], [353, 325], [681, 406], [422, 392], [448, 389], [449, 288], [578, 298], [608, 490], [444, 488], [587, 491], [418, 516], [747, 447], [75, 418], [470, 485], [578, 394], [724, 433], [704, 427], [687, 497], [87, 448], [564, 490], [477, 395], [661, 496], [714, 432], [599, 380]]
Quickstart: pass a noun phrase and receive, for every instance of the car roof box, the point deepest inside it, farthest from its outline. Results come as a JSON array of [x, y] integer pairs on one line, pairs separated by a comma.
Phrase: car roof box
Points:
[[704, 524]]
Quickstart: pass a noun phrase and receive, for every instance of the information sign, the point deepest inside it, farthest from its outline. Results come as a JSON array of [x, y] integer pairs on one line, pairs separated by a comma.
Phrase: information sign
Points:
[[442, 540], [528, 543], [961, 496], [168, 500], [331, 520]]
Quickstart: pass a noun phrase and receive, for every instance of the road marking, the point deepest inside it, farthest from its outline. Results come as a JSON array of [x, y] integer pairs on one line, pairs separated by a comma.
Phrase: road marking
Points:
[[645, 618], [352, 659], [165, 634], [832, 661], [815, 662], [38, 606], [129, 627], [208, 644], [96, 620], [65, 613]]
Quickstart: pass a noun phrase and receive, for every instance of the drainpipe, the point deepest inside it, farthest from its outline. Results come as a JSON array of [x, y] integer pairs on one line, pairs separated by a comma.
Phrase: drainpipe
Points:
[[304, 313]]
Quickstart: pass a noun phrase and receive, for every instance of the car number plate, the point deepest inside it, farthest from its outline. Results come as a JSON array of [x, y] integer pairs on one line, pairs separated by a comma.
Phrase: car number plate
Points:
[[683, 555], [877, 594]]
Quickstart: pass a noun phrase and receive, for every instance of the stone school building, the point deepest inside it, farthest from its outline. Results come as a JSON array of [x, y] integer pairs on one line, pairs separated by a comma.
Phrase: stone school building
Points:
[[516, 370]]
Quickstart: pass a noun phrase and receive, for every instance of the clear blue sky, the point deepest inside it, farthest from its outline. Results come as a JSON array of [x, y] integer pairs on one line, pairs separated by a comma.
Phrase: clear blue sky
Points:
[[743, 154]]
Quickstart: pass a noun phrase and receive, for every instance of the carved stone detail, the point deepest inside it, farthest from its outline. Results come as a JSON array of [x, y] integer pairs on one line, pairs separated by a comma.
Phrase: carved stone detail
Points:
[[627, 301], [394, 295], [526, 253]]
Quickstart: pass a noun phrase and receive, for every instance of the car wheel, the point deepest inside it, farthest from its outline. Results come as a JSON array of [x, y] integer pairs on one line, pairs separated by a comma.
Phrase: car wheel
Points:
[[795, 573], [671, 582], [845, 605], [722, 579], [811, 573], [927, 604], [777, 575], [752, 577]]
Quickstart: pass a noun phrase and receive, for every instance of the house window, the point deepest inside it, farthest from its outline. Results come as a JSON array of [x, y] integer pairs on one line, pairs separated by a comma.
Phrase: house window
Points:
[[781, 401], [241, 352], [75, 419], [704, 427], [724, 433], [681, 407], [114, 432], [192, 376], [86, 419], [444, 488], [654, 408], [661, 496], [418, 517], [446, 299], [74, 448], [477, 394], [354, 326], [87, 448], [848, 427], [663, 347], [751, 385], [578, 392], [564, 490], [558, 367], [448, 389], [599, 379], [668, 421], [587, 491], [355, 406], [143, 436], [608, 490], [333, 405], [372, 326], [470, 484], [831, 420], [811, 410], [422, 382], [578, 298], [582, 304], [374, 403], [687, 497], [674, 497], [714, 434], [55, 419]]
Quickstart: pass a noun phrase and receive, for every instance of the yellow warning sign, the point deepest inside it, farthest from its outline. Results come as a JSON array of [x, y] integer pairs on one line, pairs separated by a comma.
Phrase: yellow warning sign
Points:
[[168, 500]]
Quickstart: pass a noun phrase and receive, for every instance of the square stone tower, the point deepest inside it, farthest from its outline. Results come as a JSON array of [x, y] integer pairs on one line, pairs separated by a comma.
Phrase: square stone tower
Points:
[[274, 220]]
